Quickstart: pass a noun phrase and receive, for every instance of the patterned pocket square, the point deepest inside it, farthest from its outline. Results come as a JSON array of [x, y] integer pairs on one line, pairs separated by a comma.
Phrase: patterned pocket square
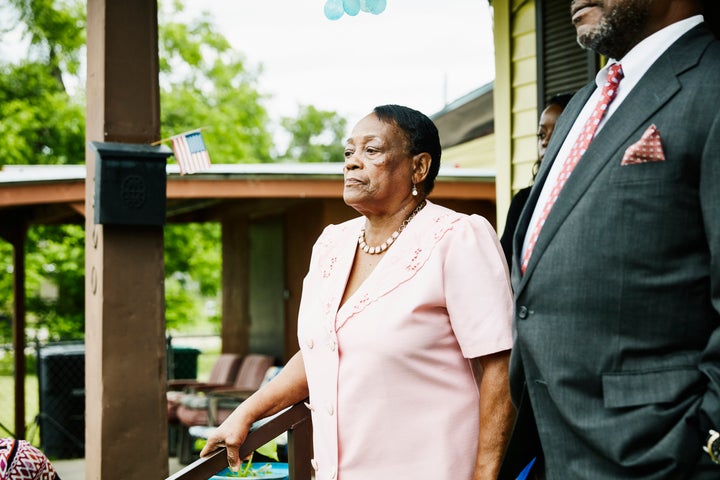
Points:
[[648, 149]]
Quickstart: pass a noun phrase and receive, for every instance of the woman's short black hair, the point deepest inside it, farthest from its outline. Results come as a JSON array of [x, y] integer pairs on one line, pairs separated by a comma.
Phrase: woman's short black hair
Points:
[[561, 99], [421, 132]]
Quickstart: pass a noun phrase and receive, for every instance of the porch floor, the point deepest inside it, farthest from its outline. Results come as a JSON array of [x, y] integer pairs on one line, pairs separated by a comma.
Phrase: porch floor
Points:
[[74, 469]]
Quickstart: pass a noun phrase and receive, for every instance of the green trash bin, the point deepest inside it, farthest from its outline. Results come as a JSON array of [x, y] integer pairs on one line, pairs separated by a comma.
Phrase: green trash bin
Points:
[[183, 362]]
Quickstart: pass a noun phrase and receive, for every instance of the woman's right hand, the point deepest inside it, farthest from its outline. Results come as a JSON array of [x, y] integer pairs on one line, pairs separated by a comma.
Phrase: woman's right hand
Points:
[[286, 389], [230, 434]]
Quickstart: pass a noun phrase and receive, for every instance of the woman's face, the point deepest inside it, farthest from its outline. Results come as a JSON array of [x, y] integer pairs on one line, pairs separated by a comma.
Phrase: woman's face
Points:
[[378, 167], [546, 125]]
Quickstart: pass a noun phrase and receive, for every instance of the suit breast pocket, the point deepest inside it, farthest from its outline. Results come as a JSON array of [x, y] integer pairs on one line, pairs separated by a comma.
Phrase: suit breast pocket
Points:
[[648, 172], [637, 388], [646, 158]]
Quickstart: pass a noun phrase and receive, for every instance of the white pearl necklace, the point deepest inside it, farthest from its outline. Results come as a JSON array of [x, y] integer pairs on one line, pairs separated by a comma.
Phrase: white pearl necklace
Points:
[[386, 244]]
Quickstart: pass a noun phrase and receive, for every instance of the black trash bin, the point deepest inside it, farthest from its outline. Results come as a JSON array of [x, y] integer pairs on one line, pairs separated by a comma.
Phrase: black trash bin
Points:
[[183, 362], [61, 381]]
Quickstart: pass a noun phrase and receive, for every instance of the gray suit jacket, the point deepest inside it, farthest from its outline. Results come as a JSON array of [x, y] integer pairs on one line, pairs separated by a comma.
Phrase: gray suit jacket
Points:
[[618, 314]]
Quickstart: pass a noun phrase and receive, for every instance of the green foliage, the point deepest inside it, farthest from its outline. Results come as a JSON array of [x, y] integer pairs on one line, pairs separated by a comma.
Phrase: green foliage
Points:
[[56, 31], [41, 127], [192, 270], [55, 257], [54, 284], [7, 365], [6, 291], [317, 135], [204, 82], [42, 123]]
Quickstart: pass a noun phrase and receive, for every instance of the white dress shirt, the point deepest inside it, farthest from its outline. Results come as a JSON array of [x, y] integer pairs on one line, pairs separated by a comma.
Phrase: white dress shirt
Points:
[[634, 64]]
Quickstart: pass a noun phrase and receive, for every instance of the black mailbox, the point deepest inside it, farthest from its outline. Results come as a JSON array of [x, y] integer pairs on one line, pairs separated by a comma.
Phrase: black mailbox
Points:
[[130, 183]]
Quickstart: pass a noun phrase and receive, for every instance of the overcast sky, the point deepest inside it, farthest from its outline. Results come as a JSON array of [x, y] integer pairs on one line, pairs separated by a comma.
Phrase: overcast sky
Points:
[[419, 53]]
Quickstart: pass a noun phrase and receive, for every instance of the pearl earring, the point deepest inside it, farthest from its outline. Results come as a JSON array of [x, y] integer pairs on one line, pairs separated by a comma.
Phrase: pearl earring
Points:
[[414, 191]]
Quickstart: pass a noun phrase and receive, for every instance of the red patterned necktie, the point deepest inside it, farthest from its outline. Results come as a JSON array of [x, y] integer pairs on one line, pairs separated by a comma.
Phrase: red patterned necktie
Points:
[[582, 142]]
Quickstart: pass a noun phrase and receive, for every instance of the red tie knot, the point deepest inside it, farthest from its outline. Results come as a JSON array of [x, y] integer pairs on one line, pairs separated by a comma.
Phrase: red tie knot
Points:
[[615, 73]]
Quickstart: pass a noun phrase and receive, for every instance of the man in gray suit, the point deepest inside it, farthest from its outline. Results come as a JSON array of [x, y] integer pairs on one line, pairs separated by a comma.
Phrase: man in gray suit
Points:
[[617, 265]]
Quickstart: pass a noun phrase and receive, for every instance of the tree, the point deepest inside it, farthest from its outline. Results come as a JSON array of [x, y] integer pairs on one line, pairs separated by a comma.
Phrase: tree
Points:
[[192, 280], [42, 123], [203, 81], [55, 256], [316, 135]]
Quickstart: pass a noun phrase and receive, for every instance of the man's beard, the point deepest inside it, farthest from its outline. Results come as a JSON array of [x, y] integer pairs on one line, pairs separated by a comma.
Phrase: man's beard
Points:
[[618, 31]]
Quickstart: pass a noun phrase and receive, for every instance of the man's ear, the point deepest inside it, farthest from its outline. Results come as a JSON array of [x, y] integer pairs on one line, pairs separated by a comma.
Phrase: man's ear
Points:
[[421, 167]]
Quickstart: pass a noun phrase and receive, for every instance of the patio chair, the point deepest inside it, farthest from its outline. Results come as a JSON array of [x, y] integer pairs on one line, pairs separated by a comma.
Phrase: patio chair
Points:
[[223, 373], [221, 403], [194, 408]]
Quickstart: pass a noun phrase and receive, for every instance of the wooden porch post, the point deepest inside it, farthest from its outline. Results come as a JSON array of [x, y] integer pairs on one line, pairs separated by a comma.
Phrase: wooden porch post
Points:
[[125, 374], [19, 328], [235, 300], [16, 236]]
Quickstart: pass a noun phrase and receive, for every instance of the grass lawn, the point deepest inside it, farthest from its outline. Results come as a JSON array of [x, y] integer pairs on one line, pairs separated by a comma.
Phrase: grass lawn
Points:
[[7, 405], [205, 364]]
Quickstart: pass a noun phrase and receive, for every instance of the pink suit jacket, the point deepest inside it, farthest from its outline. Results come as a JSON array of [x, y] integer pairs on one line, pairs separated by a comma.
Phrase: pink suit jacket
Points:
[[391, 390]]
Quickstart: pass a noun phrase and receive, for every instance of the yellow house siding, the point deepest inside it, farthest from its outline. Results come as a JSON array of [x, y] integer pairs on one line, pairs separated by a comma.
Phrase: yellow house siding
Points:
[[524, 108], [524, 41], [524, 139], [502, 101], [515, 108], [477, 153]]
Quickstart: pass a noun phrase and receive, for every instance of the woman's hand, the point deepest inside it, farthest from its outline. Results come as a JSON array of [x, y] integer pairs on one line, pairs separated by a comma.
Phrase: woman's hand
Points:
[[286, 389], [230, 434]]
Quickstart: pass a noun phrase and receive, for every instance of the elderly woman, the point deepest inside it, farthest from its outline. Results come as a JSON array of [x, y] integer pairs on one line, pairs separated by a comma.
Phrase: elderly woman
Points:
[[404, 325]]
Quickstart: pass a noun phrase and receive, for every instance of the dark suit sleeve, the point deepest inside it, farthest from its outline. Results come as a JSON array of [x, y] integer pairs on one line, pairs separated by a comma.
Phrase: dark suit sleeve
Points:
[[516, 205], [710, 205]]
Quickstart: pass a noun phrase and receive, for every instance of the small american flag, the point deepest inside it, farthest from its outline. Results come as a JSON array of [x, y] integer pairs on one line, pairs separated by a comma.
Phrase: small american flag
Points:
[[190, 152]]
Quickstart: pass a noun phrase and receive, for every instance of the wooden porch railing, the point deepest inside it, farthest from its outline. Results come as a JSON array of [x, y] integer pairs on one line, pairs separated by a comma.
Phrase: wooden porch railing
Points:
[[294, 420]]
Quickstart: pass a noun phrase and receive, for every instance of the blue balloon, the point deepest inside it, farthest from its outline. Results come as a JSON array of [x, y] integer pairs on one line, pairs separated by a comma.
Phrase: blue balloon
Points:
[[373, 6], [334, 9], [351, 7]]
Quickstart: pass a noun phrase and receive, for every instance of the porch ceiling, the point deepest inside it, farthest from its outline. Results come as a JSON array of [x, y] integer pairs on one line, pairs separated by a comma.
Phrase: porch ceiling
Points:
[[35, 194]]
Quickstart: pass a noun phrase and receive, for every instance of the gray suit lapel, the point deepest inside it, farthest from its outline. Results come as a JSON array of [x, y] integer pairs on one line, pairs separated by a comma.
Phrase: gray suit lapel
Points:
[[562, 129], [656, 87], [565, 123]]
